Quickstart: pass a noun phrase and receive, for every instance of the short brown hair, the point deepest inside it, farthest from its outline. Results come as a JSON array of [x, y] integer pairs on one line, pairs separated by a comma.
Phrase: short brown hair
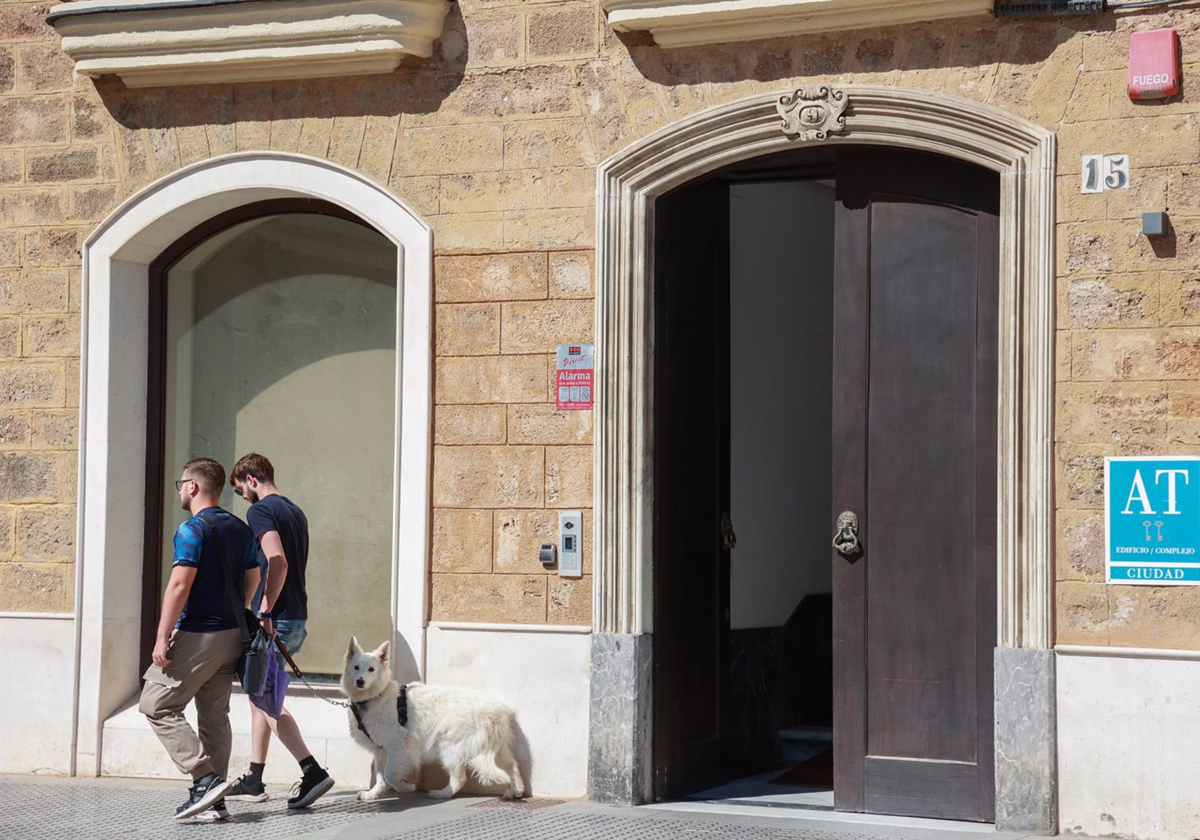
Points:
[[206, 472], [253, 465]]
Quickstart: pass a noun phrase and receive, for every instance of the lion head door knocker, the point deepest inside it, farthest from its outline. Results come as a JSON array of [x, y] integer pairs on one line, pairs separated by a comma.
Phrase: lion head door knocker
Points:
[[846, 540], [812, 113]]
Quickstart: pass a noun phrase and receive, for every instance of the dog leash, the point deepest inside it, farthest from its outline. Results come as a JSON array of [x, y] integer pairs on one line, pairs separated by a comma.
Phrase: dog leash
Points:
[[296, 670]]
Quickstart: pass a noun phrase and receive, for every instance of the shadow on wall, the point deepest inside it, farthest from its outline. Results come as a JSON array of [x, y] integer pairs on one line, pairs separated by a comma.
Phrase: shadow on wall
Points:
[[286, 254], [418, 86], [631, 86], [963, 43], [422, 86]]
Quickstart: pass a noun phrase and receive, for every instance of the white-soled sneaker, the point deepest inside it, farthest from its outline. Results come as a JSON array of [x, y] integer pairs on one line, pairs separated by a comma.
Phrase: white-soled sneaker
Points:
[[216, 813], [310, 788], [202, 796], [244, 791]]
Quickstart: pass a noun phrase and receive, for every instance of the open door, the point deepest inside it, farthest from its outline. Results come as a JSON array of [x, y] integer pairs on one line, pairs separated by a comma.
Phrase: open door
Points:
[[691, 446], [915, 378], [914, 454]]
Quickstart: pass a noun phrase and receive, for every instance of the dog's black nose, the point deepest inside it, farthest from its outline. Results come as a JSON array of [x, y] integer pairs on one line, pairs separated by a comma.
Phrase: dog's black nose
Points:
[[359, 682]]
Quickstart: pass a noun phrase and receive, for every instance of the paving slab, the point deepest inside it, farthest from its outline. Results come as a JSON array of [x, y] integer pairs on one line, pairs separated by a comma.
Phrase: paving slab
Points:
[[39, 808]]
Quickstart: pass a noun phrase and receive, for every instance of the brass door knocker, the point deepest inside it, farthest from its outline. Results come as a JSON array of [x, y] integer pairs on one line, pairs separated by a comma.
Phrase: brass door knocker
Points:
[[846, 540]]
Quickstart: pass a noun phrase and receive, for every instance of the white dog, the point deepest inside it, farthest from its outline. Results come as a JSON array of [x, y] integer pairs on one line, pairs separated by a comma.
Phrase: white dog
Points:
[[459, 728]]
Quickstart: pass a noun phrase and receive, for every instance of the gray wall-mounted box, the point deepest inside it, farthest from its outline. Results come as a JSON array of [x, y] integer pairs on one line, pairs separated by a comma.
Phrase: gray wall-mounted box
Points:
[[570, 543]]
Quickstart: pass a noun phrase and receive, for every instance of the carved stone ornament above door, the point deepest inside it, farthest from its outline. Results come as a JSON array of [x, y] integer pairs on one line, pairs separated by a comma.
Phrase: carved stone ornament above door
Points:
[[812, 113]]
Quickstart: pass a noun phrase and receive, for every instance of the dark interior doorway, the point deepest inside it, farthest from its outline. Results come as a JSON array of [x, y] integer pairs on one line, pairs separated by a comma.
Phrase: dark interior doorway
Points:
[[825, 329], [781, 388]]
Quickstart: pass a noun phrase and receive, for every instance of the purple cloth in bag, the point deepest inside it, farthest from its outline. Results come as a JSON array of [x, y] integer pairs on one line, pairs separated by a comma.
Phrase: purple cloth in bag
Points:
[[274, 688]]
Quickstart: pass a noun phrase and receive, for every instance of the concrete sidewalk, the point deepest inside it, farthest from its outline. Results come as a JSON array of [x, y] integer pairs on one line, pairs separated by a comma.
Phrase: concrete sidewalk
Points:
[[37, 808]]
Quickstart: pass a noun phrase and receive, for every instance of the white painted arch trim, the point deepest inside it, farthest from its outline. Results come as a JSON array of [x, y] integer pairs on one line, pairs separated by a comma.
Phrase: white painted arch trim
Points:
[[628, 184], [116, 260]]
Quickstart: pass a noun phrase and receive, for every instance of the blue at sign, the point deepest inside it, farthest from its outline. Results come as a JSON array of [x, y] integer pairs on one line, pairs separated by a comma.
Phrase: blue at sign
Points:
[[1152, 520]]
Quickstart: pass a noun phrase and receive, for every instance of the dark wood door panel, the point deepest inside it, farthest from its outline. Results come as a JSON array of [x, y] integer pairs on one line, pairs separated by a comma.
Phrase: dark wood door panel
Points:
[[916, 273], [691, 577], [948, 790], [920, 487], [851, 326]]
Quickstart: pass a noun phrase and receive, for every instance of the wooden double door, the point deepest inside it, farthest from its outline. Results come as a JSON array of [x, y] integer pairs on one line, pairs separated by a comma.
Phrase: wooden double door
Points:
[[914, 453]]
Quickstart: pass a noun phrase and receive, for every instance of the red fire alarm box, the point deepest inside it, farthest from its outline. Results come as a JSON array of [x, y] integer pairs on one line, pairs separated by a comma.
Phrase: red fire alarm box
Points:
[[1154, 64]]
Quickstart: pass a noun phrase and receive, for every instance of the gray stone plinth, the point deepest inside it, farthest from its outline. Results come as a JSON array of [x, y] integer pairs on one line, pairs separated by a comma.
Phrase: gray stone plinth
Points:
[[619, 753], [1026, 741]]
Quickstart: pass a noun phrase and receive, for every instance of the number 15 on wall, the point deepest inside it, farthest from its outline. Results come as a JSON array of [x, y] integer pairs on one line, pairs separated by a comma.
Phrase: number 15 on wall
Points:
[[1104, 172]]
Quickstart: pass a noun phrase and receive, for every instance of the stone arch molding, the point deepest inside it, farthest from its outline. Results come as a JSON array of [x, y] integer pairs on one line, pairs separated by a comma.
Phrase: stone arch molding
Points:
[[1024, 156], [113, 393]]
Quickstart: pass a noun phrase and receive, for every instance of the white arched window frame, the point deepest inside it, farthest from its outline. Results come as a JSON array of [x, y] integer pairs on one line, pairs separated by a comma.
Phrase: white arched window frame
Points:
[[113, 406]]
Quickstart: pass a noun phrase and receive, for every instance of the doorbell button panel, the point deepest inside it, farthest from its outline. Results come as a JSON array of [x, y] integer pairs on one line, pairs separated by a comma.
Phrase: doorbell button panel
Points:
[[570, 543]]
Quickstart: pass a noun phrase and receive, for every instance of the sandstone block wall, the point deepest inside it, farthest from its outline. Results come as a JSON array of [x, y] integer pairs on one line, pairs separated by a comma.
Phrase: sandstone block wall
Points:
[[42, 171], [505, 460], [495, 140], [1128, 377]]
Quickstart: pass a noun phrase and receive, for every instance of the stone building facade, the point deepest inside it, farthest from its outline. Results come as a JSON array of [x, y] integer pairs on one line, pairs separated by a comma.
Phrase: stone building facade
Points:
[[494, 142]]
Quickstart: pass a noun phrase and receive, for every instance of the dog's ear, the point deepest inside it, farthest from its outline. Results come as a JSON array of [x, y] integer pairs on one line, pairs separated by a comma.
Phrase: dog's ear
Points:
[[383, 651], [353, 650]]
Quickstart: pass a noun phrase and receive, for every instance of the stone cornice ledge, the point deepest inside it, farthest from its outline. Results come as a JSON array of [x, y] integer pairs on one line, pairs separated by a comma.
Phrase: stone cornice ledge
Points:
[[686, 23], [151, 43]]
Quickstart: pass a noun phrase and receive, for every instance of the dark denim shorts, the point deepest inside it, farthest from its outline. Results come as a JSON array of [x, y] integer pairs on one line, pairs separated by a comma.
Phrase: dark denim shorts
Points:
[[292, 632]]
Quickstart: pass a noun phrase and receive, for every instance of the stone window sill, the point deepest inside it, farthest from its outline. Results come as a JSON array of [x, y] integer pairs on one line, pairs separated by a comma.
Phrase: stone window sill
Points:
[[687, 23], [150, 43]]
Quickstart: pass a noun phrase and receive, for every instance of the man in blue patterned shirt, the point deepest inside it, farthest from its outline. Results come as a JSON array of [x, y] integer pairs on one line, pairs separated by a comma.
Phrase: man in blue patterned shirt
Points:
[[198, 643]]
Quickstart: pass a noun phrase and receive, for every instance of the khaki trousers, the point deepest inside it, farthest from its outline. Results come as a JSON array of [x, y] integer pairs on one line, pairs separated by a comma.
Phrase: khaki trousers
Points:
[[202, 668]]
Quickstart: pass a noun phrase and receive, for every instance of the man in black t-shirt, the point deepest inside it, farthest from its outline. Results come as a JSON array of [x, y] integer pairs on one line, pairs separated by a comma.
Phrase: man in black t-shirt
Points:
[[281, 533]]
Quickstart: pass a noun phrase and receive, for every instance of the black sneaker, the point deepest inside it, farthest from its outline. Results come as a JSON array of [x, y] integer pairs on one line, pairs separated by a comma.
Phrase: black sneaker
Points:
[[245, 791], [216, 813], [310, 788], [206, 793]]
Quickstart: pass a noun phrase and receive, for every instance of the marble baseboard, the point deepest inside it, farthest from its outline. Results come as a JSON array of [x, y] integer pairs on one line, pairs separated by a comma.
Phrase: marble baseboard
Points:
[[1026, 741], [620, 769]]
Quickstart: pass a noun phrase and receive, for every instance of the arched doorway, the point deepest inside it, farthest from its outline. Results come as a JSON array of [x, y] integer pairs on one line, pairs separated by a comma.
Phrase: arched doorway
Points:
[[629, 185], [117, 262]]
